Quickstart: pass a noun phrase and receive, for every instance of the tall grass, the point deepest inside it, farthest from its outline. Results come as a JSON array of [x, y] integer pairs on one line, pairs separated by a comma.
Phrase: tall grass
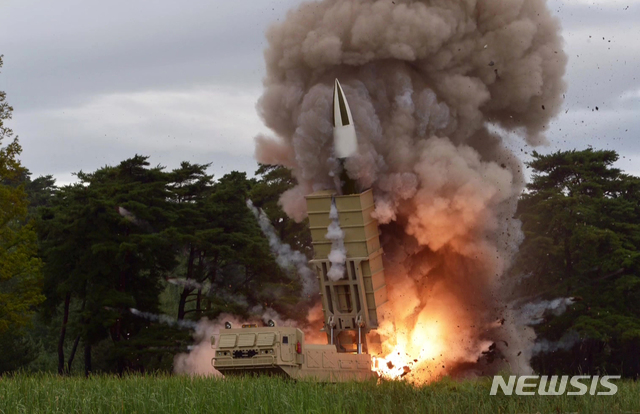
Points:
[[178, 394]]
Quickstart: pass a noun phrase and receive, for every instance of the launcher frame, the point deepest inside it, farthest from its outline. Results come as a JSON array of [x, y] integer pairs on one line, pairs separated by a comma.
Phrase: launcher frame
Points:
[[352, 304]]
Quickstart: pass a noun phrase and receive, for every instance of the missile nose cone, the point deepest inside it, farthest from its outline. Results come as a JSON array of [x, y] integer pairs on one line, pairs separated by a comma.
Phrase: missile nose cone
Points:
[[344, 133], [341, 110]]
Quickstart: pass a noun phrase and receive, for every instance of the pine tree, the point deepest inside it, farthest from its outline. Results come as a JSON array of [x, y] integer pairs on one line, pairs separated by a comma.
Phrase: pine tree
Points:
[[581, 219], [107, 245], [20, 277], [265, 194]]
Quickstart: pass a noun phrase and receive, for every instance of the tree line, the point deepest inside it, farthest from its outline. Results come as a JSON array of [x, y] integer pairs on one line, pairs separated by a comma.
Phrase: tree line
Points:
[[581, 220], [83, 267], [135, 240]]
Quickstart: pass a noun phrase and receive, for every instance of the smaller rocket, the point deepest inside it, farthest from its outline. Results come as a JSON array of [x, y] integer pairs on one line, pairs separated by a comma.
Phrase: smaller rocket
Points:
[[345, 142]]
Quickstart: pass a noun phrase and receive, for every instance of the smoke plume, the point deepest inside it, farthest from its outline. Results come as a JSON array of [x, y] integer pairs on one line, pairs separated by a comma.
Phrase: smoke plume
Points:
[[429, 83], [284, 254], [338, 254], [165, 319], [567, 341], [130, 217], [198, 360], [533, 313]]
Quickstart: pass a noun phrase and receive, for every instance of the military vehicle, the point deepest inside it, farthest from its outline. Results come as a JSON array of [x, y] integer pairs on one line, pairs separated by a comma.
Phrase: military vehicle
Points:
[[351, 302], [283, 351]]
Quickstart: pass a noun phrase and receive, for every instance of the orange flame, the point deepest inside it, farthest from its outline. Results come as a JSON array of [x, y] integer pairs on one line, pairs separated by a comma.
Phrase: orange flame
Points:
[[426, 334], [417, 354]]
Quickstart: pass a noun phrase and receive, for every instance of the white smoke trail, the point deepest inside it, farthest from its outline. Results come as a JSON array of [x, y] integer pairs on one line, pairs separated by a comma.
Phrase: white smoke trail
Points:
[[165, 319], [533, 313], [338, 254], [285, 256], [198, 360], [567, 341], [518, 326], [129, 216]]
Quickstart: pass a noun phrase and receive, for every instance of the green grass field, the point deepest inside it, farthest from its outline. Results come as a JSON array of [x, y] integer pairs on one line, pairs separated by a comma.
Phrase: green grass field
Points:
[[174, 394]]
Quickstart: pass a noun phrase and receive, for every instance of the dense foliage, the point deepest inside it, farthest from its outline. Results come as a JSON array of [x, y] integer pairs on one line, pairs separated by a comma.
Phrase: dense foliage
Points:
[[92, 265], [20, 287], [581, 219], [123, 238]]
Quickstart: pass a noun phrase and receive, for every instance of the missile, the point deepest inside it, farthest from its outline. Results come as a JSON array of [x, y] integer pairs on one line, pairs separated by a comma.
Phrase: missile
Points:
[[345, 142], [344, 133]]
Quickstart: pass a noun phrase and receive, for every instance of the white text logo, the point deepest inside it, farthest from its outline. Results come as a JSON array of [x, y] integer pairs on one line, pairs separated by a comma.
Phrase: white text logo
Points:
[[554, 385]]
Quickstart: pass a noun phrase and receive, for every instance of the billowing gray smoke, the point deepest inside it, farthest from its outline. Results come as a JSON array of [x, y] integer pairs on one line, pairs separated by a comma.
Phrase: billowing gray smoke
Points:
[[533, 313], [427, 81]]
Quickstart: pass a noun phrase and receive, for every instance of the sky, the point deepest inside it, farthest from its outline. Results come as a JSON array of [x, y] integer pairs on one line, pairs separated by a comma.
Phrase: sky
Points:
[[93, 82]]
